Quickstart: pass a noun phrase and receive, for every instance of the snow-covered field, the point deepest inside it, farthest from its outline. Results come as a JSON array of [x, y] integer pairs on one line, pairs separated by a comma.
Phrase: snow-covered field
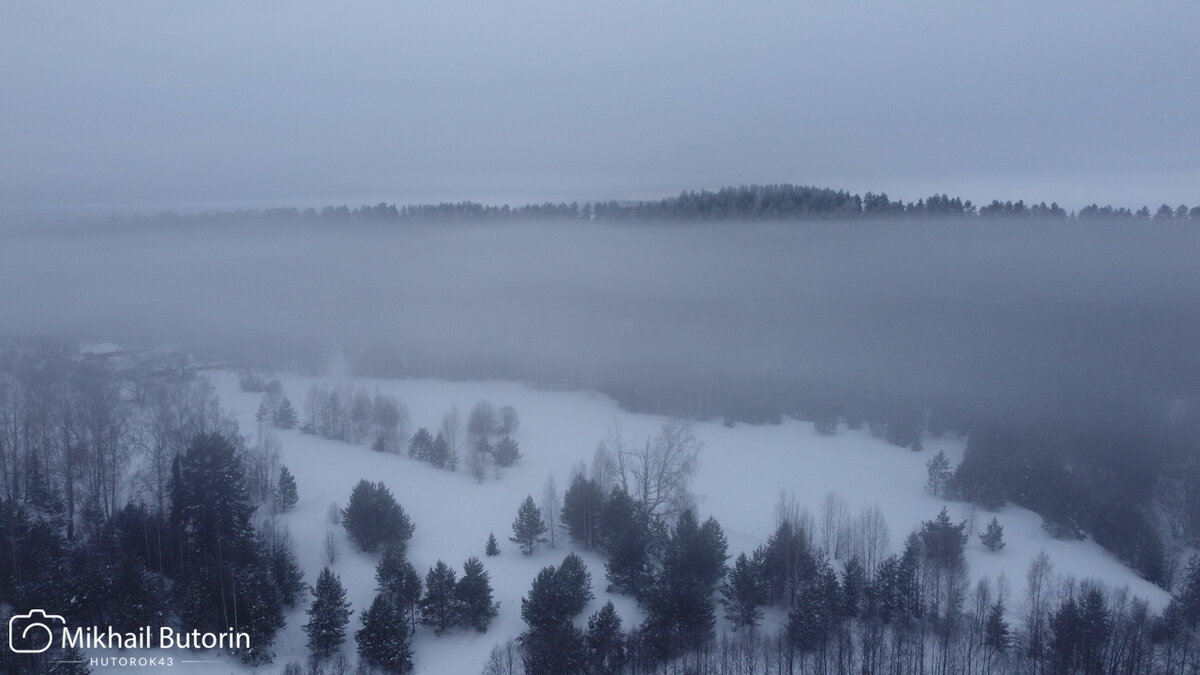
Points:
[[742, 471]]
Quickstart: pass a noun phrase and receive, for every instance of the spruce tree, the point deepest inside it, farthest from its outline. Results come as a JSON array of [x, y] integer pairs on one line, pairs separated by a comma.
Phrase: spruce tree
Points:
[[439, 451], [328, 616], [383, 640], [285, 570], [506, 452], [995, 630], [285, 415], [529, 527], [993, 536], [421, 445], [473, 596], [854, 588], [286, 495], [439, 606], [581, 511], [624, 534], [491, 548], [605, 642], [743, 594], [680, 615], [264, 414], [813, 615]]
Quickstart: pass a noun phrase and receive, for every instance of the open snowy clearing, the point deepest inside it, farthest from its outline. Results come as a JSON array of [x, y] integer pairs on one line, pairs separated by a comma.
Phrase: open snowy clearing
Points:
[[741, 473]]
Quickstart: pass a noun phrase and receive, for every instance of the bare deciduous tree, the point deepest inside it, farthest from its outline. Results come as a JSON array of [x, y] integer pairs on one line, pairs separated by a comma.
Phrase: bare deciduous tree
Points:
[[477, 459], [870, 538], [450, 428], [659, 472], [331, 547], [1037, 604], [834, 521], [551, 507]]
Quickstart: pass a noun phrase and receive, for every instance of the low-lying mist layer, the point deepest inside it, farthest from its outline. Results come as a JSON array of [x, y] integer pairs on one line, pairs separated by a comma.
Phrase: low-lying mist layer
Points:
[[991, 312]]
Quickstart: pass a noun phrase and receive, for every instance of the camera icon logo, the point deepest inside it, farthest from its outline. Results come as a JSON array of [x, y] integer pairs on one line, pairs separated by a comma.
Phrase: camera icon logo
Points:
[[32, 633]]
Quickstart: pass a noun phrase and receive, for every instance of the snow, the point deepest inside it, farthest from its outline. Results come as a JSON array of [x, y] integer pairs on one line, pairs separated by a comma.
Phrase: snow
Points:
[[742, 471]]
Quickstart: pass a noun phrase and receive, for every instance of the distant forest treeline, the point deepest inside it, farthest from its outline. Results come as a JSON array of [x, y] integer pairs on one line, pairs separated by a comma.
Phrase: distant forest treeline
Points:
[[746, 202]]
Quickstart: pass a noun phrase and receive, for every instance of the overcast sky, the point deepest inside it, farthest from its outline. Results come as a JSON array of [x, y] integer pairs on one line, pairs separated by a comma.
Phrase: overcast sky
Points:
[[148, 105]]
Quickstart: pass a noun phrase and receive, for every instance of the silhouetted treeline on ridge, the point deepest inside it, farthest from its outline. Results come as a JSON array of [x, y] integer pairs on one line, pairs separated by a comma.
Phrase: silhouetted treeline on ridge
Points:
[[745, 202]]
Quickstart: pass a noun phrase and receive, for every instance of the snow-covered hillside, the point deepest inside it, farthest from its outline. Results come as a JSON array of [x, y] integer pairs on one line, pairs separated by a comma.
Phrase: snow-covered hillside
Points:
[[742, 472]]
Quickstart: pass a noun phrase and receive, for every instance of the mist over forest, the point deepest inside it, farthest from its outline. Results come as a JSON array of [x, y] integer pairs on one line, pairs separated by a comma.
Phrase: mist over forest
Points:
[[700, 319]]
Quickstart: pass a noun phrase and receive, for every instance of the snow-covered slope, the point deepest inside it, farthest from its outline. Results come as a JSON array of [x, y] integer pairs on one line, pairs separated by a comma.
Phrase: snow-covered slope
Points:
[[742, 471]]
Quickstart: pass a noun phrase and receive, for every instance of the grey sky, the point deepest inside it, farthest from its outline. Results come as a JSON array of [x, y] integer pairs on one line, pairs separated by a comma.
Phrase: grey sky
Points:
[[147, 105]]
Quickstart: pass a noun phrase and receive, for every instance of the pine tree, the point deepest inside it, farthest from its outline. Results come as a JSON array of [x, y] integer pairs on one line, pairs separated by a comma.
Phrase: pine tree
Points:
[[286, 495], [473, 596], [742, 593], [557, 648], [383, 640], [506, 452], [210, 521], [421, 445], [574, 584], [529, 527], [943, 541], [396, 578], [543, 606], [993, 536], [938, 475], [285, 415], [605, 642], [439, 606], [552, 644], [328, 616], [492, 548], [373, 518]]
